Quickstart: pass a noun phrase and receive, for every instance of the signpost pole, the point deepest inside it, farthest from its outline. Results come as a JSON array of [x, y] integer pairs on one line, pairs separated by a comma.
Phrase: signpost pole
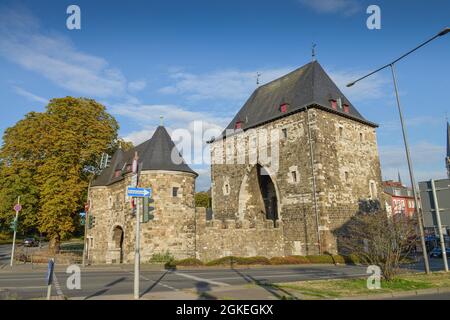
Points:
[[137, 252], [137, 258], [438, 220], [17, 209], [51, 265]]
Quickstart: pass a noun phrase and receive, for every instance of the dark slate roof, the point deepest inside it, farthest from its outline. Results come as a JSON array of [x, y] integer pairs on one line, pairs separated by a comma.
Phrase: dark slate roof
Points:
[[154, 154], [307, 86]]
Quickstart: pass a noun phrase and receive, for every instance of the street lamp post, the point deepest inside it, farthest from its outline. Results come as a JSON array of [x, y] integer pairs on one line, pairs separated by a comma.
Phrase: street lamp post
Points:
[[405, 139]]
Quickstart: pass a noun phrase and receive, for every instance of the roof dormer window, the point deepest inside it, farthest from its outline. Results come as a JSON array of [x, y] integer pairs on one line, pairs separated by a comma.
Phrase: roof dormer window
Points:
[[117, 173], [346, 108], [283, 107], [333, 103], [238, 125]]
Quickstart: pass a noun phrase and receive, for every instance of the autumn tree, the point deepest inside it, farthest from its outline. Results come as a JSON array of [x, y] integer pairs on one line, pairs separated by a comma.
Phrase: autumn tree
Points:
[[56, 151], [20, 156]]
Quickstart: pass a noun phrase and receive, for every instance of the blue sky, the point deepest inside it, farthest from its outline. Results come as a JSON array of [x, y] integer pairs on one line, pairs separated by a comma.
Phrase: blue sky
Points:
[[197, 60]]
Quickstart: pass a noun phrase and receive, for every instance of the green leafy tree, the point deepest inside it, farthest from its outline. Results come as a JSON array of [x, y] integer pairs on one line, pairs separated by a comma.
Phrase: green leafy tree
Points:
[[20, 156], [57, 150], [202, 199]]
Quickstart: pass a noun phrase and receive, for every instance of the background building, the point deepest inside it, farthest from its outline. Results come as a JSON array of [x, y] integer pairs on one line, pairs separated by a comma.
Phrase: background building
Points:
[[399, 198]]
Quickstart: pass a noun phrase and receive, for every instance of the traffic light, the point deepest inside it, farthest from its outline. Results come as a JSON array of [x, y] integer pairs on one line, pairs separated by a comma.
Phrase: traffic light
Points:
[[148, 208], [91, 222]]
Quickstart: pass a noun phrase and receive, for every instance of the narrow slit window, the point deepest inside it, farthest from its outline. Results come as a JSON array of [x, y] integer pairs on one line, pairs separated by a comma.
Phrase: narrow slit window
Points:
[[175, 192], [284, 133], [294, 176]]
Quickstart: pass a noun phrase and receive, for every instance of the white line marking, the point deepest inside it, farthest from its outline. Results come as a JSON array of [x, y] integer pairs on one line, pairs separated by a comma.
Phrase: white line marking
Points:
[[159, 283], [57, 286], [216, 283]]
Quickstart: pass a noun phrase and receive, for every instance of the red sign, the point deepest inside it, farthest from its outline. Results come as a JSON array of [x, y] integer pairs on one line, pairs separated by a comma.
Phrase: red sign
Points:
[[17, 207]]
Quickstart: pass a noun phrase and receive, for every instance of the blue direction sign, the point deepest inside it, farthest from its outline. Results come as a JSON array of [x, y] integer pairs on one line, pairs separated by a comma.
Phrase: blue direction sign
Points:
[[139, 192]]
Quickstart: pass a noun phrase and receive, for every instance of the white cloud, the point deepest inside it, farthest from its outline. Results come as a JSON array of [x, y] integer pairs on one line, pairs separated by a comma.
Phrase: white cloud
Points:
[[227, 85], [136, 86], [347, 7], [203, 182], [53, 56], [29, 95], [426, 157], [419, 121], [371, 89]]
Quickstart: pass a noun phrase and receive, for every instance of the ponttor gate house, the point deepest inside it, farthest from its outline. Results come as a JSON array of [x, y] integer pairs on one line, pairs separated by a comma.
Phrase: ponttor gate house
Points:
[[293, 166]]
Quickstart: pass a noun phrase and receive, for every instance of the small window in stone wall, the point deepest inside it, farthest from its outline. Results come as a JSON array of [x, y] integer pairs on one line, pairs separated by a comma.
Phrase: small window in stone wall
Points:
[[175, 192], [284, 133], [110, 201], [346, 175], [294, 176], [373, 190], [361, 137], [226, 189], [341, 132]]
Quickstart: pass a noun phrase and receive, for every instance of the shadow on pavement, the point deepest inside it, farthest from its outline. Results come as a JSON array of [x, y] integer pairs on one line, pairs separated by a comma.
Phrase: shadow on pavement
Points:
[[267, 286], [106, 289], [155, 283], [202, 291]]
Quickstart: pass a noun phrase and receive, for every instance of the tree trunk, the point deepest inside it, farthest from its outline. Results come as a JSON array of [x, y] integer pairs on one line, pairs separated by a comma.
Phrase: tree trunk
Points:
[[55, 244]]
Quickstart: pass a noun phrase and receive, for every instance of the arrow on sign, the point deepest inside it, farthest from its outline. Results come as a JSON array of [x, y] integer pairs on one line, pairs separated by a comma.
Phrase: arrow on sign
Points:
[[139, 192]]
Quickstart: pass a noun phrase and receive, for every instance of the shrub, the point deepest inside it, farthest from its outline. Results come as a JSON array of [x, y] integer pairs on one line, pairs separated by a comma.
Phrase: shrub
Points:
[[352, 259], [320, 259], [338, 259], [161, 257], [230, 260], [188, 262], [289, 260]]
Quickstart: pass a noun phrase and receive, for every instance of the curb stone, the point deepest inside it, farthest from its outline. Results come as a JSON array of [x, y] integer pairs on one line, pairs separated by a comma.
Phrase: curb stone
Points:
[[400, 294]]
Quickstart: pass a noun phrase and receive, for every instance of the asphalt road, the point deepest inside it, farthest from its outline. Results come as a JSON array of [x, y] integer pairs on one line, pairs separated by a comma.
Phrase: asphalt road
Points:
[[23, 282], [94, 283]]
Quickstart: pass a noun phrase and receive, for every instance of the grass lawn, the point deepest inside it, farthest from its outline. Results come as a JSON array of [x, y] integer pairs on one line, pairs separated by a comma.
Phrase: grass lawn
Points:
[[328, 289]]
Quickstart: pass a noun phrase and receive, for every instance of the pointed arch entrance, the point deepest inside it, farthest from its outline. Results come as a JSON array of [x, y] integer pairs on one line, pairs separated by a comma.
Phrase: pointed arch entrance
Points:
[[258, 195], [118, 242]]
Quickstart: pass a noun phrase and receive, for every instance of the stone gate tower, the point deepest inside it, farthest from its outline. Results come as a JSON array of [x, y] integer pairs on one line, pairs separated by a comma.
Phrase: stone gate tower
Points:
[[296, 161], [112, 239]]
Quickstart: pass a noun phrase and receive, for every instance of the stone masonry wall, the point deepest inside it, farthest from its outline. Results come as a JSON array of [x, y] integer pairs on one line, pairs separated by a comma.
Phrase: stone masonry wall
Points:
[[343, 169], [171, 230]]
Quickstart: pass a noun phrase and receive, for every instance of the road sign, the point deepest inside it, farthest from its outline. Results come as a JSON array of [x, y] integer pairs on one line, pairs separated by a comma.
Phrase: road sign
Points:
[[139, 192], [17, 207]]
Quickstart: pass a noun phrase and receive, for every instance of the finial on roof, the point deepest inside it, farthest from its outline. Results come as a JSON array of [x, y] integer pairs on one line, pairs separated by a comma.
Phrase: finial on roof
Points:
[[399, 178], [258, 75], [161, 120], [313, 52]]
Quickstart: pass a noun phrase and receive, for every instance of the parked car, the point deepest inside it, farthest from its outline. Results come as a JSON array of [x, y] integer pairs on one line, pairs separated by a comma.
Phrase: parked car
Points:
[[30, 242], [437, 252]]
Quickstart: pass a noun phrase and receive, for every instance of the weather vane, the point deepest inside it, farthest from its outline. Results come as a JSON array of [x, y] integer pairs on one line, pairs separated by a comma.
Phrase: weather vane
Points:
[[313, 52], [258, 75]]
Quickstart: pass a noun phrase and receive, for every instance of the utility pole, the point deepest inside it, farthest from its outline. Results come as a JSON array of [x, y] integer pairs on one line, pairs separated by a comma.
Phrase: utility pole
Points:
[[438, 220], [411, 175], [17, 208]]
